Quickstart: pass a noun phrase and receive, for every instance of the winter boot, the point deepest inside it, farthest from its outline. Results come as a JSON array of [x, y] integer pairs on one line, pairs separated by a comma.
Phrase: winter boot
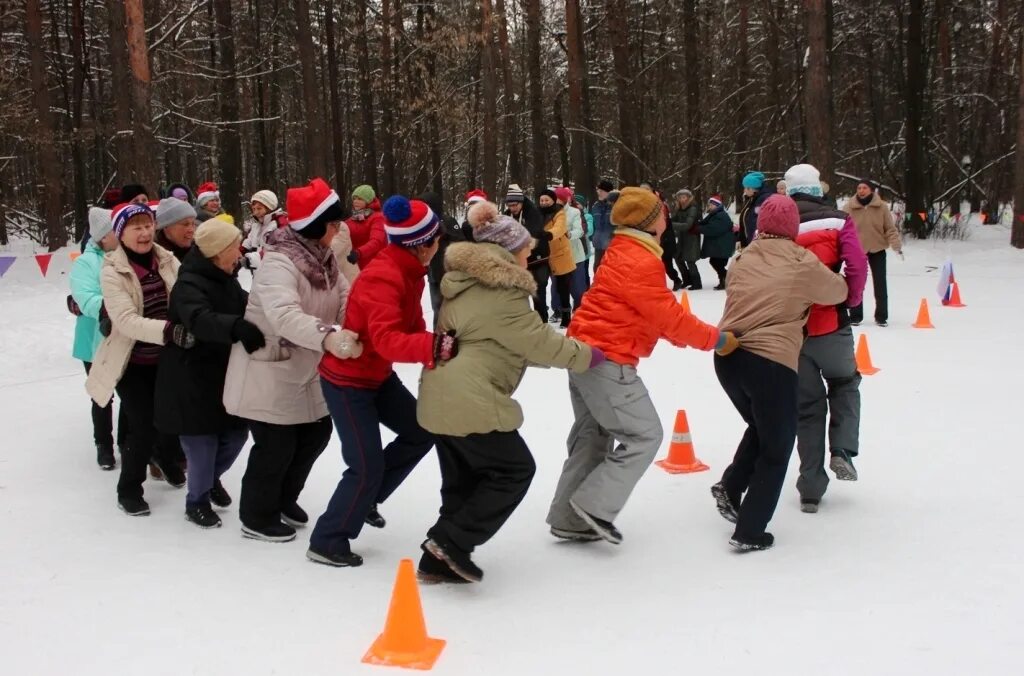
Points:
[[345, 560], [753, 544], [155, 472], [809, 505], [373, 518], [882, 323], [105, 457], [566, 318], [133, 506], [172, 473], [556, 317], [294, 516], [678, 286], [202, 515], [842, 464], [458, 560], [218, 496], [433, 570], [275, 532], [725, 505], [606, 529], [588, 535]]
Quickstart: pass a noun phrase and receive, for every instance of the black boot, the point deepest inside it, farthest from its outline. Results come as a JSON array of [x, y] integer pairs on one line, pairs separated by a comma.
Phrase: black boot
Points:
[[275, 532], [202, 515], [294, 516], [373, 518], [752, 544], [726, 506], [566, 315], [433, 570], [172, 473], [105, 457], [133, 506], [458, 560], [606, 529], [343, 560], [218, 496]]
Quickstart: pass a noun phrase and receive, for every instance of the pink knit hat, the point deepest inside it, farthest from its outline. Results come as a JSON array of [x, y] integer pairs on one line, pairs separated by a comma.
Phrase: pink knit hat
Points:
[[779, 216]]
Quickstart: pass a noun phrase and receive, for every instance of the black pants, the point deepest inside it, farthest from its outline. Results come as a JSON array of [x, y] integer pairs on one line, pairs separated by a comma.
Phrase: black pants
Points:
[[435, 300], [484, 477], [691, 275], [280, 461], [598, 255], [561, 296], [766, 394], [103, 421], [877, 262], [136, 389], [541, 272], [719, 265]]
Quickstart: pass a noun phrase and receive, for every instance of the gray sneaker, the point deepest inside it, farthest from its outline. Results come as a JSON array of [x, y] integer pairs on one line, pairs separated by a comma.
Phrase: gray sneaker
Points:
[[809, 505], [842, 465]]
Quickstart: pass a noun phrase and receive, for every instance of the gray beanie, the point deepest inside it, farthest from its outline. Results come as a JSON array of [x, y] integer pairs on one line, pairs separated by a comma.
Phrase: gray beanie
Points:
[[100, 223], [170, 210]]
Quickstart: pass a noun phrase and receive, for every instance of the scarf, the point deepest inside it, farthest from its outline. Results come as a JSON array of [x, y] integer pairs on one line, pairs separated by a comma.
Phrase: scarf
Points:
[[315, 261]]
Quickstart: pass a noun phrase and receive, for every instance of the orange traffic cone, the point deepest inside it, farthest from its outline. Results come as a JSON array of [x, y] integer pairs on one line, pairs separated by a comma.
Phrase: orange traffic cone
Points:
[[924, 320], [404, 642], [684, 301], [681, 459], [864, 365], [954, 297]]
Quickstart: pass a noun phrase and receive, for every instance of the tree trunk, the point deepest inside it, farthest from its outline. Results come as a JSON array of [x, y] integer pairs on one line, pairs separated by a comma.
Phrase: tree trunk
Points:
[[818, 89], [333, 82], [228, 143], [565, 168], [315, 164], [489, 91], [1017, 234], [147, 166], [387, 127], [914, 183], [582, 172], [120, 83], [537, 134], [742, 123], [49, 182], [511, 104], [617, 19], [77, 104], [366, 98], [691, 104]]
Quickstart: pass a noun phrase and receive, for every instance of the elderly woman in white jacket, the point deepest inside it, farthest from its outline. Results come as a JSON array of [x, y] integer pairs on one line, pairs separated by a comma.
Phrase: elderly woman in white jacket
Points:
[[298, 301]]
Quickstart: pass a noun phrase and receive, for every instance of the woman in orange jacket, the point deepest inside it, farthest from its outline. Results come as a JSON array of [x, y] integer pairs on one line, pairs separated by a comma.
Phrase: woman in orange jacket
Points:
[[626, 311]]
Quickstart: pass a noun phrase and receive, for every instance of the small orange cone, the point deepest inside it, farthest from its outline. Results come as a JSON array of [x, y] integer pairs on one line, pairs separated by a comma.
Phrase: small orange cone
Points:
[[954, 297], [924, 320], [684, 302], [681, 459], [864, 365], [404, 642]]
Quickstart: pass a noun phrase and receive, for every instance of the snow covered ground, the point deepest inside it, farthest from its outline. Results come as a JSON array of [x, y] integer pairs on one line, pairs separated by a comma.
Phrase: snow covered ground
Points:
[[915, 569]]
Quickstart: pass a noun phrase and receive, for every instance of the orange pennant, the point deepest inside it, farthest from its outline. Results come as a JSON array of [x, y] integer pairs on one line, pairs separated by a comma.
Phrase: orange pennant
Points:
[[74, 254]]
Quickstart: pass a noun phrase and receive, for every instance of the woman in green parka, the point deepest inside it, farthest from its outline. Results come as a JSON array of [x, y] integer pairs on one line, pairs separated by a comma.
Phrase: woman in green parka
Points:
[[486, 467]]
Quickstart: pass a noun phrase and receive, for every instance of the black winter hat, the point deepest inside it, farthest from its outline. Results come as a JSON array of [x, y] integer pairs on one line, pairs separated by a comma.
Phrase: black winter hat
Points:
[[132, 190], [606, 185]]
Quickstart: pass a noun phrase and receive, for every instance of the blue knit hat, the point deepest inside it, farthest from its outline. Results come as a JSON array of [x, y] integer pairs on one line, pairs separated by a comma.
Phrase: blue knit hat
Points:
[[126, 212], [754, 180], [409, 223]]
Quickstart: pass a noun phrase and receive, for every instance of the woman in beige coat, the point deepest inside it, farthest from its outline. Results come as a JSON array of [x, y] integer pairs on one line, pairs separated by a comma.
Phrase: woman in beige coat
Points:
[[298, 301], [877, 233], [136, 280]]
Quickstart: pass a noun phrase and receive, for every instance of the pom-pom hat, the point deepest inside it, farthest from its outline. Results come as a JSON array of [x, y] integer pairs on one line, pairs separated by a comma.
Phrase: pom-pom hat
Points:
[[206, 192], [126, 212], [409, 223]]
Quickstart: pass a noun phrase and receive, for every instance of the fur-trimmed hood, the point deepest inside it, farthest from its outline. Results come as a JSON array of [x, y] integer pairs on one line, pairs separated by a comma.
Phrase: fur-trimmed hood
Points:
[[469, 264]]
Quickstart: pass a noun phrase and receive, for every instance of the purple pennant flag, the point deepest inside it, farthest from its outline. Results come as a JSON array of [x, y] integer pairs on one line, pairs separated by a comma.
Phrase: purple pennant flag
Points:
[[5, 264]]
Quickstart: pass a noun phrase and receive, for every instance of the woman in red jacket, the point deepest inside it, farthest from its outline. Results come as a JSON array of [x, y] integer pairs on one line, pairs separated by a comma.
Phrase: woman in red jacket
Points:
[[366, 226], [385, 309]]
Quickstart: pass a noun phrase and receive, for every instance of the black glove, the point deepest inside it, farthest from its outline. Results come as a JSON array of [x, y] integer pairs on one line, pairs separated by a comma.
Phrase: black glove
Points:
[[179, 335], [249, 335], [446, 346], [73, 306], [352, 257], [105, 324]]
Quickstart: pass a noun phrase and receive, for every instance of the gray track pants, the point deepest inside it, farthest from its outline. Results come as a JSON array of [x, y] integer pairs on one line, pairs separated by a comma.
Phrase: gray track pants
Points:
[[826, 361], [610, 403]]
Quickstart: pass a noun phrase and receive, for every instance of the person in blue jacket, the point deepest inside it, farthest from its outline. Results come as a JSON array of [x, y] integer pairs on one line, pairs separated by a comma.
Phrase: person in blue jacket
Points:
[[756, 192], [86, 303], [719, 239], [601, 212]]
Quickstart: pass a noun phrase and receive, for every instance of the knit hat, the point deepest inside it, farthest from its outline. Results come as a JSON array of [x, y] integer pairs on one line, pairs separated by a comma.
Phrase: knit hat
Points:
[[100, 223], [805, 179], [215, 235], [514, 194], [869, 183], [684, 192], [267, 199], [365, 193], [111, 198], [580, 200], [474, 196], [636, 208], [606, 185], [206, 192], [779, 216], [312, 207], [754, 180], [489, 226], [563, 194], [550, 193], [170, 210], [131, 191], [227, 218], [124, 213], [716, 200], [409, 223], [181, 191]]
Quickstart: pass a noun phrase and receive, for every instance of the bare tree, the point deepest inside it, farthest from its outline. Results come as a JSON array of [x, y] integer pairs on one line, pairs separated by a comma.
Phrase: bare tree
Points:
[[539, 140], [1017, 236], [49, 191], [818, 88], [146, 170]]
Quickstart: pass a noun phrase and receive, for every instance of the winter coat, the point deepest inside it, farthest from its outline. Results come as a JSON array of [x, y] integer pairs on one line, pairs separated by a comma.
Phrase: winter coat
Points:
[[588, 218], [386, 311], [574, 223], [874, 224], [122, 297], [602, 213], [532, 219], [487, 302], [203, 214], [85, 289], [561, 259], [628, 307], [451, 232], [751, 208], [719, 241], [278, 384], [367, 230], [769, 291], [341, 245], [190, 383], [832, 237], [253, 243], [177, 251], [684, 223]]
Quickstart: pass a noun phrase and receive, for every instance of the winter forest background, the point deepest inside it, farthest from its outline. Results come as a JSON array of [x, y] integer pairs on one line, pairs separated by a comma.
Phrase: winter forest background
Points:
[[445, 95]]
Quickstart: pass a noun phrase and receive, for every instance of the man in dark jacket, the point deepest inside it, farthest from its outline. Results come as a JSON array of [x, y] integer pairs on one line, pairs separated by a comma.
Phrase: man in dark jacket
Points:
[[719, 241], [601, 210], [684, 223], [451, 232], [529, 216]]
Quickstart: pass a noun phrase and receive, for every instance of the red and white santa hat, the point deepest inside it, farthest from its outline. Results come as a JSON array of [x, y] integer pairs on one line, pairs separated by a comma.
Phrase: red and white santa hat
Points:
[[474, 196], [312, 205], [716, 200], [206, 192]]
